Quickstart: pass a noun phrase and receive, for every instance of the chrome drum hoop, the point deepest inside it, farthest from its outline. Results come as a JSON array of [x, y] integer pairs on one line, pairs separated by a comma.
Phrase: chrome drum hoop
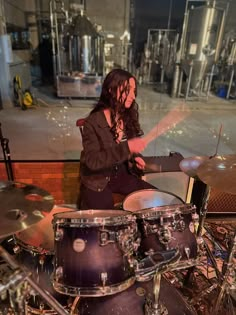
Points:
[[165, 211], [86, 218], [94, 292]]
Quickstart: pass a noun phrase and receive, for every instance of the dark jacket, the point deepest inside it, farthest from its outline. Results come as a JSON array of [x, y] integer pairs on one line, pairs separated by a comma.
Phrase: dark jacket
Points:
[[101, 152]]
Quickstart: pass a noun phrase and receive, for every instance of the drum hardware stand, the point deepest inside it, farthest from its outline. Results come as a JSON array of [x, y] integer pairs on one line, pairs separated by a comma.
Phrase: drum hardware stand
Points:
[[203, 213], [227, 271], [153, 305], [73, 306], [6, 155], [202, 244], [22, 275]]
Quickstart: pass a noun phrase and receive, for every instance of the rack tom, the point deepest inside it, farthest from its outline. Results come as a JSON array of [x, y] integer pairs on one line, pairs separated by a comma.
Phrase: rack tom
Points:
[[164, 223], [94, 252]]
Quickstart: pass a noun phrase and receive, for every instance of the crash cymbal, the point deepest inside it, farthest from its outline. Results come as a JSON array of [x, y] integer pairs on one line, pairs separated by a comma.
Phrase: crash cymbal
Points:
[[190, 165], [219, 172], [22, 205], [40, 236]]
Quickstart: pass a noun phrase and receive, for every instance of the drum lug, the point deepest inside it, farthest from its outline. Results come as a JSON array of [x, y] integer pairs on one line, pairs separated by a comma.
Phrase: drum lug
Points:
[[41, 306], [59, 273], [42, 259], [187, 252], [104, 278], [180, 225], [59, 233], [107, 237], [165, 235], [16, 249]]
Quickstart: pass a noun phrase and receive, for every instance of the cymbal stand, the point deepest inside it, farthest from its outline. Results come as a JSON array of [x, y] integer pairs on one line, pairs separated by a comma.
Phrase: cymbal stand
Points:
[[203, 212], [6, 155], [20, 275], [228, 270], [202, 244], [153, 305]]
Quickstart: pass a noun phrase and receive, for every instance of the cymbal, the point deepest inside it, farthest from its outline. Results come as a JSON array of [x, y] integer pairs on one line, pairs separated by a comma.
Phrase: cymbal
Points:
[[219, 172], [190, 165], [40, 236], [22, 205]]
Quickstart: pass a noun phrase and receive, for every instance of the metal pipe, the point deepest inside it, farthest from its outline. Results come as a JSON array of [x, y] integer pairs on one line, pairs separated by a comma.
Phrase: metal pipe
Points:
[[169, 17], [44, 294], [58, 46], [229, 268], [210, 80], [221, 32], [6, 156], [162, 74], [184, 31], [230, 83], [175, 81], [189, 81], [180, 82], [54, 60]]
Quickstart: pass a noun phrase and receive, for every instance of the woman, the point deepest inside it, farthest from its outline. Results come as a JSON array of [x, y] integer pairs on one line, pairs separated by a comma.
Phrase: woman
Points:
[[111, 140]]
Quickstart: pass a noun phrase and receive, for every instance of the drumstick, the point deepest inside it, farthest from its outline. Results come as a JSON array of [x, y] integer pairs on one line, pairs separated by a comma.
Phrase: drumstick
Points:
[[175, 116]]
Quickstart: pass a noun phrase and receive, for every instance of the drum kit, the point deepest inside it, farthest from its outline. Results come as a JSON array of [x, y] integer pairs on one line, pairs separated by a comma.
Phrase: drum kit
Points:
[[61, 260]]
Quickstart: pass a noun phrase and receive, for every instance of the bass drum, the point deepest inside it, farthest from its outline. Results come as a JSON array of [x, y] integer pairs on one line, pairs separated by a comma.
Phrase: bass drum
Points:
[[133, 300]]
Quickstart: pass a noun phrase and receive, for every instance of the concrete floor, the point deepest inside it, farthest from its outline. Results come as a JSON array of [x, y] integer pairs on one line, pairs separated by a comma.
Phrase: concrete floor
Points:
[[49, 132]]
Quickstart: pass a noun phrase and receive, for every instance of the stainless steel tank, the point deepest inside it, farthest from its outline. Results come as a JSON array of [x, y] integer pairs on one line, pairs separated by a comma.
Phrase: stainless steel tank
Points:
[[86, 46], [202, 41]]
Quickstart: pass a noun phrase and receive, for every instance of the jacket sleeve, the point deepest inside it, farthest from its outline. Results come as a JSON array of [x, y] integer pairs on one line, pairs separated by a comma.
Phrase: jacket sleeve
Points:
[[100, 150]]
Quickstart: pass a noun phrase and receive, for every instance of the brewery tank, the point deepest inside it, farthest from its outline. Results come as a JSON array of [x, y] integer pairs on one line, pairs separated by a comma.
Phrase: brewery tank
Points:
[[85, 46], [202, 41]]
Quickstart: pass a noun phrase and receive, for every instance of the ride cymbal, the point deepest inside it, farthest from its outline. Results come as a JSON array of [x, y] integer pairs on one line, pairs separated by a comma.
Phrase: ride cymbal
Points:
[[22, 205], [190, 165], [219, 172]]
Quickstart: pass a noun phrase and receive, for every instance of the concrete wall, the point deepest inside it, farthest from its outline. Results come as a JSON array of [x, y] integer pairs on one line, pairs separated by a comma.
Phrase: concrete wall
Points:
[[15, 12]]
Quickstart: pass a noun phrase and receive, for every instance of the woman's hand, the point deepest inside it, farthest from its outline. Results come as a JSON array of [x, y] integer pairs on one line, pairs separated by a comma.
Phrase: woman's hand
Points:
[[140, 163], [136, 145]]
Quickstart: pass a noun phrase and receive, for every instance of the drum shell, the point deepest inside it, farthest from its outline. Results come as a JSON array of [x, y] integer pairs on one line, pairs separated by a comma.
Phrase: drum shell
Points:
[[94, 252], [183, 240], [85, 268], [159, 212], [132, 301]]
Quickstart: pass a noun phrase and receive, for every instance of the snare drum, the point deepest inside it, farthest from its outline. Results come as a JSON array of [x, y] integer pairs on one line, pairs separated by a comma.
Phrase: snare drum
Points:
[[164, 223], [94, 252]]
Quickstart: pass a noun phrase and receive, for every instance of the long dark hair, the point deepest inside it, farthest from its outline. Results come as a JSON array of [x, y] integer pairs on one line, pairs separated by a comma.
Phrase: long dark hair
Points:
[[115, 79]]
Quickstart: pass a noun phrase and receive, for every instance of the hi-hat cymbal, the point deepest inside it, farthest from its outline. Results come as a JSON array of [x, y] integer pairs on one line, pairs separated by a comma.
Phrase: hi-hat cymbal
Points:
[[219, 172], [190, 165], [22, 205]]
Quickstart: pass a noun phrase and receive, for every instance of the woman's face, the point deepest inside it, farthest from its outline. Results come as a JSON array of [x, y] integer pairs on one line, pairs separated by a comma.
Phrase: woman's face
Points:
[[130, 97]]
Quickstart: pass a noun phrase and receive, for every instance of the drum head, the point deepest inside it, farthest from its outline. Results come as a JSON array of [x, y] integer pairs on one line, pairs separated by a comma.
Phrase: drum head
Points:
[[149, 198], [40, 237]]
